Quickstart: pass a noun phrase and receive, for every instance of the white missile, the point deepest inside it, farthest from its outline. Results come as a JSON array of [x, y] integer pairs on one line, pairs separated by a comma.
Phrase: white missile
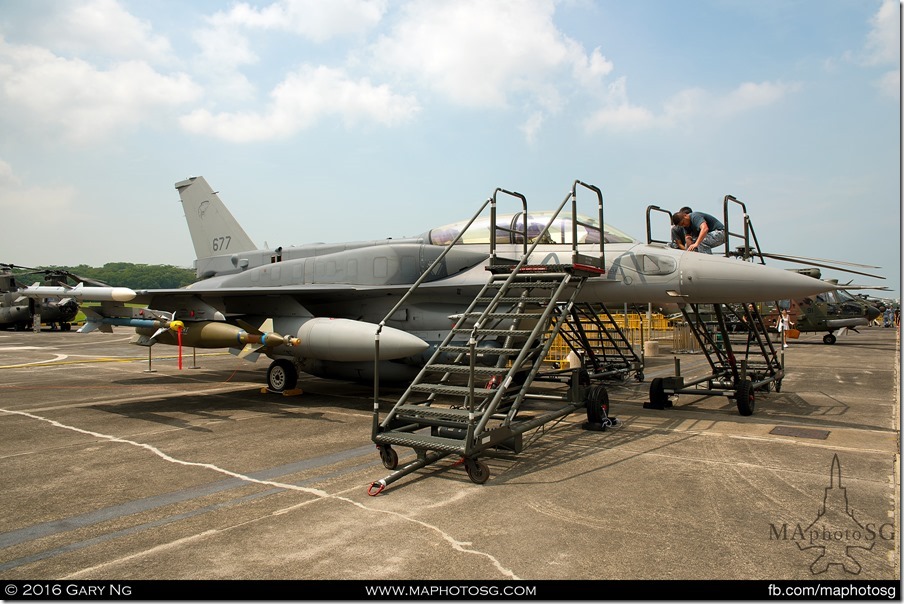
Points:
[[79, 292]]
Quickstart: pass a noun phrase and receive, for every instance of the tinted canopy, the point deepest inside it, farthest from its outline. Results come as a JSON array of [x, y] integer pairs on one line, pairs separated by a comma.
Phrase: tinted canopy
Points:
[[509, 228]]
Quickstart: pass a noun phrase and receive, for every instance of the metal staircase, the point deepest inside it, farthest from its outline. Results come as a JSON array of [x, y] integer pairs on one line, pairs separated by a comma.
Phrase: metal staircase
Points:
[[603, 346], [486, 383], [734, 338]]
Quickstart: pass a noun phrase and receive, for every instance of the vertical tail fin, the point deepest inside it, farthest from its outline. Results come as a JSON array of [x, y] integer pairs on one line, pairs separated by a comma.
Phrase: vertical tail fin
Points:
[[214, 230]]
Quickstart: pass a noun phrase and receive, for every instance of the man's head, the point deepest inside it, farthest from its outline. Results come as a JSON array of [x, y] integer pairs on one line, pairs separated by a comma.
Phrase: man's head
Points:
[[681, 219]]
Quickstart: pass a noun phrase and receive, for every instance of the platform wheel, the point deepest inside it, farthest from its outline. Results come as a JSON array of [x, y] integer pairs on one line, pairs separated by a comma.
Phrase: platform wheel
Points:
[[778, 385], [829, 338], [745, 398], [639, 376], [282, 375], [597, 403], [477, 470], [389, 457], [658, 398]]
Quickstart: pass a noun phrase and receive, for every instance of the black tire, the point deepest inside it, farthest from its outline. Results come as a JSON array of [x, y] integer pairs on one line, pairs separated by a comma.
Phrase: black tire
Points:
[[658, 398], [389, 457], [745, 398], [829, 338], [282, 375], [597, 403], [639, 376], [477, 471], [778, 385]]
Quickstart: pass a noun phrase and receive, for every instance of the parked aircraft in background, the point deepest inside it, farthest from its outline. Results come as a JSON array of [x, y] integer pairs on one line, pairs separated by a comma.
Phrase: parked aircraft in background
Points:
[[55, 303], [833, 312]]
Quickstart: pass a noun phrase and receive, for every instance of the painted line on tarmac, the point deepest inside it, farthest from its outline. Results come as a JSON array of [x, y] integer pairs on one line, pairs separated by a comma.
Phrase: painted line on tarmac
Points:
[[461, 546], [60, 360]]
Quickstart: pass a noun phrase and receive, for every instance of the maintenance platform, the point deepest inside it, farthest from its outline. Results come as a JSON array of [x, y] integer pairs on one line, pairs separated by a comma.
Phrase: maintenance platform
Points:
[[114, 468]]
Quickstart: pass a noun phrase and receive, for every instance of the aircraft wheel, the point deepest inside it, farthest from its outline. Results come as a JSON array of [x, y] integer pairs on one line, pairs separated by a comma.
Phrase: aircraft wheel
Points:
[[389, 458], [282, 375], [745, 398], [478, 471], [597, 404], [829, 338], [658, 398], [66, 326]]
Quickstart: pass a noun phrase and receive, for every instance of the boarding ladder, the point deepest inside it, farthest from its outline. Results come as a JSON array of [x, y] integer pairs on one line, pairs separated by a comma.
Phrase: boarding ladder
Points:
[[485, 385], [733, 337], [603, 346]]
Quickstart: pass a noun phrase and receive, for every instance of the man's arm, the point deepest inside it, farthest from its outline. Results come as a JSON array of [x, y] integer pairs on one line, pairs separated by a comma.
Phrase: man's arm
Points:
[[704, 229]]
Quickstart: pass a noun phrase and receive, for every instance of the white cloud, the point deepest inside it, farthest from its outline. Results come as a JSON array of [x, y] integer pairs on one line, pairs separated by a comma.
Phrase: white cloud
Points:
[[7, 177], [18, 203], [480, 54], [883, 41], [687, 105], [315, 20], [105, 26], [306, 95], [86, 103], [890, 85]]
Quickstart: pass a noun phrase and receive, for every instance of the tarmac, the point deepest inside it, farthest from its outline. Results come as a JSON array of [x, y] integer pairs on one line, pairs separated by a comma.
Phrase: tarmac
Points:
[[119, 468]]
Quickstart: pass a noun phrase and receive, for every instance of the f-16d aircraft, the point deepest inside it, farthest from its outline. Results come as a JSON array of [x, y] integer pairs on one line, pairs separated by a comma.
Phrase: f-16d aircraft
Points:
[[316, 308]]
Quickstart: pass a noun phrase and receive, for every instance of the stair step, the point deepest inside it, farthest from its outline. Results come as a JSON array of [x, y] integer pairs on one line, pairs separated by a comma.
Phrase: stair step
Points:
[[481, 351], [495, 332], [420, 441], [466, 369], [452, 390], [411, 411]]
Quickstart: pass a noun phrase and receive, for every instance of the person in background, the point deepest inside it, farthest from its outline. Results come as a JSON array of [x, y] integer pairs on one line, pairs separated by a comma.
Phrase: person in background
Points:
[[783, 324]]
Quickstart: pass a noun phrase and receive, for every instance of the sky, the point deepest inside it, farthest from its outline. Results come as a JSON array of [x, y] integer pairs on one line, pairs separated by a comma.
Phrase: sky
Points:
[[346, 120]]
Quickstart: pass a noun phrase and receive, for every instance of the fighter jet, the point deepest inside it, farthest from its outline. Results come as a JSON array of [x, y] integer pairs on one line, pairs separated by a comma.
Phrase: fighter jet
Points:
[[316, 308]]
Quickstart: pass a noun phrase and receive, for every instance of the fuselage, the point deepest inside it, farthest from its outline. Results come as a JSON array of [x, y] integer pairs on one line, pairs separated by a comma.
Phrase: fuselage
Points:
[[361, 282]]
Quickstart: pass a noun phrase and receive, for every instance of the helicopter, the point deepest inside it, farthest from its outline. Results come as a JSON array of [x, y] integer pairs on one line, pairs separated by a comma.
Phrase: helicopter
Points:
[[20, 312], [833, 312]]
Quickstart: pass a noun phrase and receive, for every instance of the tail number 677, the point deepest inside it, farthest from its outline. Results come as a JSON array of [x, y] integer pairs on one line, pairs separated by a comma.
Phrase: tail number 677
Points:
[[221, 243]]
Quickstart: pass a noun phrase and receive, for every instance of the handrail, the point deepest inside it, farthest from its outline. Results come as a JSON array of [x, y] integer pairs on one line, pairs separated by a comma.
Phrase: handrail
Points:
[[649, 230], [526, 253], [574, 221], [746, 252]]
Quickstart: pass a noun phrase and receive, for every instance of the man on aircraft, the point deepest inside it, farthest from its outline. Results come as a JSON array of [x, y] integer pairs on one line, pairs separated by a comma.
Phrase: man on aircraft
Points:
[[705, 230], [679, 235]]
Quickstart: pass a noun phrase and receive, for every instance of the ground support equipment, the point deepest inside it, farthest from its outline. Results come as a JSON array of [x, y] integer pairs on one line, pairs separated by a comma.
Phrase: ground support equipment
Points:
[[486, 384]]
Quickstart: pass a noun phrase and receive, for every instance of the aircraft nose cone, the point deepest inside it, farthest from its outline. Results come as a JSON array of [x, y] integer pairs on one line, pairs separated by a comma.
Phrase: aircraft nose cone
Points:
[[872, 313], [712, 278]]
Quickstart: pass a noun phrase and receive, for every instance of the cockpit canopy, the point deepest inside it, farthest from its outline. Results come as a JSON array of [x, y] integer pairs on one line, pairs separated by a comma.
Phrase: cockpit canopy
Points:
[[510, 229]]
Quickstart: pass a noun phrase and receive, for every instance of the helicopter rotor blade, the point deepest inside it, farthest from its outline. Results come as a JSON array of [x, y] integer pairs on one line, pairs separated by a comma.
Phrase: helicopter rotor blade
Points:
[[806, 258], [828, 266]]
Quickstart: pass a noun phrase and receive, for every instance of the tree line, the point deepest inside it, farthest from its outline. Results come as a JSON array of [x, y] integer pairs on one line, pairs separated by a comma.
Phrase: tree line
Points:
[[134, 276]]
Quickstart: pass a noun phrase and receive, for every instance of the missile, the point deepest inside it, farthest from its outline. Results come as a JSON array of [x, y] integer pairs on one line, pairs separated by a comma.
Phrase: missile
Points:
[[344, 340], [320, 338], [202, 334], [79, 292]]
